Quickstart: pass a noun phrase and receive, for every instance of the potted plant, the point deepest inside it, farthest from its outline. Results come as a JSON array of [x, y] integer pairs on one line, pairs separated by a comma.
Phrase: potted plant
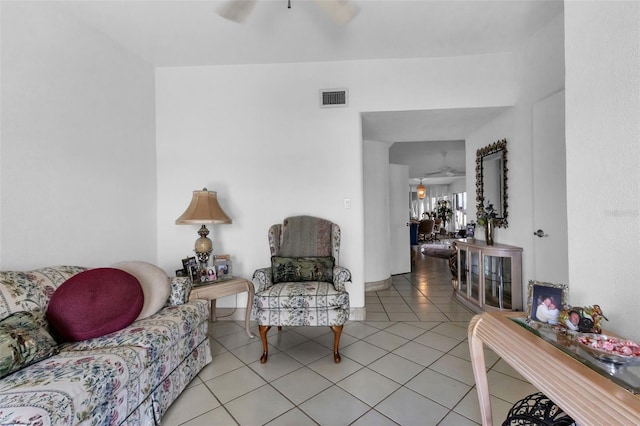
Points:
[[444, 212], [486, 219]]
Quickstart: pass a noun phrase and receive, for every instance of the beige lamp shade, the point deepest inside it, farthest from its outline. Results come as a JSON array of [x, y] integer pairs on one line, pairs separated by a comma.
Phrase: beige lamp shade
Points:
[[204, 208]]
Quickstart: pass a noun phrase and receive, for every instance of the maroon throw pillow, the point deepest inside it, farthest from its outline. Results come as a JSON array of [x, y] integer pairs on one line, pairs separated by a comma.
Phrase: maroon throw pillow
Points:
[[94, 303]]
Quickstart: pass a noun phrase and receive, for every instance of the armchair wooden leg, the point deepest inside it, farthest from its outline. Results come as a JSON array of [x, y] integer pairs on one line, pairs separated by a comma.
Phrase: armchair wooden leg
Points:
[[337, 331], [265, 346]]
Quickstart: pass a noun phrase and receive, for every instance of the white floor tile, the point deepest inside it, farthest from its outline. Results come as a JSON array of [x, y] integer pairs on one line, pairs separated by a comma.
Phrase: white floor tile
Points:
[[385, 340], [363, 352], [455, 419], [359, 330], [402, 316], [234, 384], [334, 406], [437, 341], [369, 386], [405, 330], [507, 388], [192, 403], [259, 406], [301, 385], [449, 330], [455, 368], [419, 354], [470, 409], [217, 416], [407, 407], [293, 417], [333, 372], [439, 388], [396, 368], [377, 316], [308, 351], [221, 364], [373, 418], [277, 365]]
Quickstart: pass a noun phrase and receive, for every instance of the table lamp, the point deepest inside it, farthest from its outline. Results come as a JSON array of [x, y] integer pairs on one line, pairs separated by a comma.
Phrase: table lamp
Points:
[[203, 209]]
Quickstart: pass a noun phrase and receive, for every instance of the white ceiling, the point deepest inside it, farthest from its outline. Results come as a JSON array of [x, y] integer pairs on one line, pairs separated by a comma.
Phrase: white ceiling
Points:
[[191, 33]]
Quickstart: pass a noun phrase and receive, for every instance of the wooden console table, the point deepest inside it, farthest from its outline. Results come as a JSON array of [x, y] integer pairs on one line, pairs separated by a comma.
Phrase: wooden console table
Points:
[[587, 396], [225, 288]]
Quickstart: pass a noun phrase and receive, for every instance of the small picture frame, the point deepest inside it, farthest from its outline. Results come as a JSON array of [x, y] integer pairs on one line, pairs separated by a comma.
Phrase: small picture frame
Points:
[[471, 228], [545, 302], [212, 274], [190, 268], [223, 266]]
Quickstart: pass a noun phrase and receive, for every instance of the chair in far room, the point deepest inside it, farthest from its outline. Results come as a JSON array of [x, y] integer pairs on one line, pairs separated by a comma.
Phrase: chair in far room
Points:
[[304, 285], [425, 230]]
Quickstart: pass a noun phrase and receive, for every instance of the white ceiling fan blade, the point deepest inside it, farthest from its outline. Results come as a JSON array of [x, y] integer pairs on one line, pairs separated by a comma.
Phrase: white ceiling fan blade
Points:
[[341, 11], [236, 10]]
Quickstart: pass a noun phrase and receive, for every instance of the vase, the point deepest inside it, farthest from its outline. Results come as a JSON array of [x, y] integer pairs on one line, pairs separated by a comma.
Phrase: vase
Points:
[[488, 233]]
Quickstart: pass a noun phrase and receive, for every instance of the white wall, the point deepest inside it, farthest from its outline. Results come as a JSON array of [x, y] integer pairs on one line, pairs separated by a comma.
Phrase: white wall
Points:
[[78, 151], [377, 259], [539, 72], [257, 136], [603, 158]]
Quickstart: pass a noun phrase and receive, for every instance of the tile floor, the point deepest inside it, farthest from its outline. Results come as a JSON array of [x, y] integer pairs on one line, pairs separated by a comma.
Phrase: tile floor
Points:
[[408, 364]]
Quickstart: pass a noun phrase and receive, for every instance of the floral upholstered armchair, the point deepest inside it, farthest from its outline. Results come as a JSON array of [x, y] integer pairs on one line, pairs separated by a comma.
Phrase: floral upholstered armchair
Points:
[[304, 285]]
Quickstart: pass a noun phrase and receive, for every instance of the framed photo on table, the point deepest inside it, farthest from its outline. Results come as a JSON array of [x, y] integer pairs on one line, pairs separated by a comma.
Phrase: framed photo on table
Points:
[[545, 301], [223, 266], [190, 268]]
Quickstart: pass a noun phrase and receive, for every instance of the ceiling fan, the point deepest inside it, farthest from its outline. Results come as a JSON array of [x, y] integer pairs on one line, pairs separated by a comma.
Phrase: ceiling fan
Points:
[[340, 11], [445, 171]]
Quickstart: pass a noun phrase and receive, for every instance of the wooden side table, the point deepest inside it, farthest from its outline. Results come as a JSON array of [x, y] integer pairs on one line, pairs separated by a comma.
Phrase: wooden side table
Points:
[[225, 288], [587, 396]]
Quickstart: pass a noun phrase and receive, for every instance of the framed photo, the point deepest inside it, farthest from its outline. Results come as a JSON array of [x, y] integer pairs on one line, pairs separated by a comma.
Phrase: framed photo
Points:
[[190, 268], [545, 301], [212, 274], [223, 266], [470, 230]]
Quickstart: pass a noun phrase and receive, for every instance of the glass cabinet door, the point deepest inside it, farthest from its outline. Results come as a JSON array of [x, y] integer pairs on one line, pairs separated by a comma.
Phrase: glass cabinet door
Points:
[[462, 274], [474, 276], [497, 282]]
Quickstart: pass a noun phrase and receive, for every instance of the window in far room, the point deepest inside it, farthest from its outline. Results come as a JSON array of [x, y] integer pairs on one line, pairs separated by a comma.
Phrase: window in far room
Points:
[[460, 210]]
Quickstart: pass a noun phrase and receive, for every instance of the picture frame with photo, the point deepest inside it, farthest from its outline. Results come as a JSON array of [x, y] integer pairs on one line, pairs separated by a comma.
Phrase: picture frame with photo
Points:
[[191, 268], [545, 301], [223, 267]]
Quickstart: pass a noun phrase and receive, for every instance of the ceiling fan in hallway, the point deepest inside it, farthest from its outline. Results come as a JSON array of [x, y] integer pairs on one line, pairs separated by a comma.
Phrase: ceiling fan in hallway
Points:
[[340, 11], [445, 170]]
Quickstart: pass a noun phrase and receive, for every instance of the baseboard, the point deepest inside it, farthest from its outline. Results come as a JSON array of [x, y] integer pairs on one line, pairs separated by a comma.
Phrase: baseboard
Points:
[[377, 285], [358, 314]]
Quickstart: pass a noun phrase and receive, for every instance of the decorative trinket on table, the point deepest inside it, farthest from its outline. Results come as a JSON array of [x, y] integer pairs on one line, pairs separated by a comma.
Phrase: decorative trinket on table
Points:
[[585, 319], [616, 352]]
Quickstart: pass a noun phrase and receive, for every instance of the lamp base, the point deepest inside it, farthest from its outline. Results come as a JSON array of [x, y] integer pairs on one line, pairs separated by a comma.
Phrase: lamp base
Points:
[[203, 257], [204, 246]]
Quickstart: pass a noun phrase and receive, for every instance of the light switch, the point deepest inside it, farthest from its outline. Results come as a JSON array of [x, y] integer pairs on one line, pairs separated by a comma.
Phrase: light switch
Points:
[[347, 203]]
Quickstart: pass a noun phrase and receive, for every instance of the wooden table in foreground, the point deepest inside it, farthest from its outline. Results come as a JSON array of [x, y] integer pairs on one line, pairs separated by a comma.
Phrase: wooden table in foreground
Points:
[[587, 396], [225, 288]]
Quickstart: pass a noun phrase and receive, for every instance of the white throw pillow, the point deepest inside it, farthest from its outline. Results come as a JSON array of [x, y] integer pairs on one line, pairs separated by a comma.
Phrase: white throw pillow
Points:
[[154, 282]]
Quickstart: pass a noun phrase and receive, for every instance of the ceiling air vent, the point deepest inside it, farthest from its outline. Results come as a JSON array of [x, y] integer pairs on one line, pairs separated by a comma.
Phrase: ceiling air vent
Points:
[[333, 98]]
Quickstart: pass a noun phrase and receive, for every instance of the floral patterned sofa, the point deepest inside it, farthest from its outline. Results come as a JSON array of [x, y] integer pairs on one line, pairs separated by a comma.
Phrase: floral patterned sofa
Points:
[[130, 376]]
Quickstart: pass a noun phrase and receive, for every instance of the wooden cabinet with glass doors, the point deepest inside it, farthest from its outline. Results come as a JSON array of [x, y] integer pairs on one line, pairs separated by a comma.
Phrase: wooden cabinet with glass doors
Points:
[[489, 277]]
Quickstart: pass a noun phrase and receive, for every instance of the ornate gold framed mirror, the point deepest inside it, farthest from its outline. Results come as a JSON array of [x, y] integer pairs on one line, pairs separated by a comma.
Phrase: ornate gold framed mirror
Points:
[[491, 181]]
